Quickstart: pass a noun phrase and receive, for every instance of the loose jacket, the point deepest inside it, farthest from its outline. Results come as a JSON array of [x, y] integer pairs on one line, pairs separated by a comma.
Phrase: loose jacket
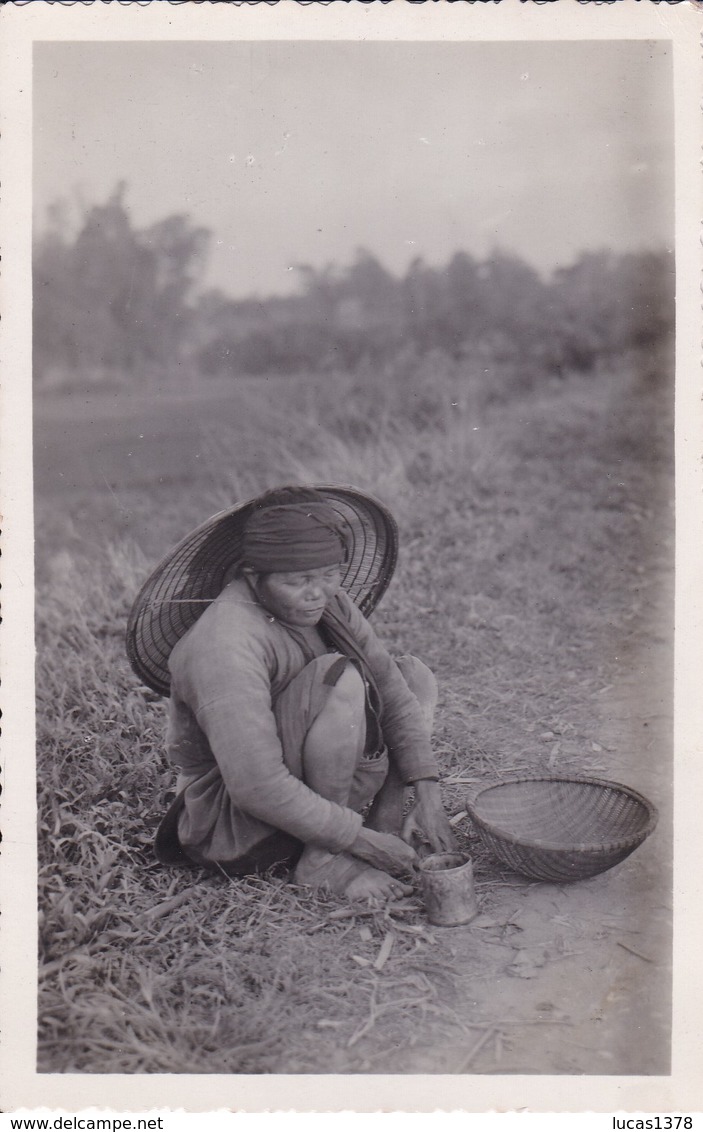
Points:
[[226, 674]]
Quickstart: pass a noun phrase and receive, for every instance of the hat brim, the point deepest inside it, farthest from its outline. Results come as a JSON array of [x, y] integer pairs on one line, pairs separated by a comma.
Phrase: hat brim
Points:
[[194, 573]]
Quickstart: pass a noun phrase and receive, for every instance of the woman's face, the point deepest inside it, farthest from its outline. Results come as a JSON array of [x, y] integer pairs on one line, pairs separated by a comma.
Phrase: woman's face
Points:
[[298, 598]]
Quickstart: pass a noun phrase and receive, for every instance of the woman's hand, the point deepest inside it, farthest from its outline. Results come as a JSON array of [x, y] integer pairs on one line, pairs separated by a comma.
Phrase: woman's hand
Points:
[[427, 821], [384, 851]]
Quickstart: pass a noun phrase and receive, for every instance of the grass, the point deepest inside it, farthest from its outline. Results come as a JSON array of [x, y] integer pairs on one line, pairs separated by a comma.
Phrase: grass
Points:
[[531, 538]]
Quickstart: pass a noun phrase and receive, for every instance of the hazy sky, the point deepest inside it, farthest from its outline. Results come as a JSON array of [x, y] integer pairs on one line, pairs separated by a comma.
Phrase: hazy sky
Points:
[[303, 152]]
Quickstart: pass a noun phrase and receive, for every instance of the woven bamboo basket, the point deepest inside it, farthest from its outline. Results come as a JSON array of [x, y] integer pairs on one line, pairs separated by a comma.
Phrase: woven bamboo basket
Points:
[[192, 575], [561, 829]]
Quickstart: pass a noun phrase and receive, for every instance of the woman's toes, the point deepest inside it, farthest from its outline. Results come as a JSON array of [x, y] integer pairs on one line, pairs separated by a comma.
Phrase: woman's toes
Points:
[[403, 889], [376, 887]]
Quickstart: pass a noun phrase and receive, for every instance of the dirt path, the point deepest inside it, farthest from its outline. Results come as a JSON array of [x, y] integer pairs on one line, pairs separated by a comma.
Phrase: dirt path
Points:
[[576, 979]]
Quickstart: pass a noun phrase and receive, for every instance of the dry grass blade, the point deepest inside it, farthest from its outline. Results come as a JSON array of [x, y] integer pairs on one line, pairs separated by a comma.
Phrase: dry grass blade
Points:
[[348, 913], [370, 1021], [634, 951], [476, 1049], [362, 961], [169, 905], [376, 1011], [385, 951]]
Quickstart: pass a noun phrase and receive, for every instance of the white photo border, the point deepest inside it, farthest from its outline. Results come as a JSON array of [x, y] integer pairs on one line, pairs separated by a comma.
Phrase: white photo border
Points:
[[22, 1086]]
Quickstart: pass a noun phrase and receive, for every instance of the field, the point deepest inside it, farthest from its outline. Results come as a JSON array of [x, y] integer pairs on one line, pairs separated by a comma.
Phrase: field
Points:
[[535, 578]]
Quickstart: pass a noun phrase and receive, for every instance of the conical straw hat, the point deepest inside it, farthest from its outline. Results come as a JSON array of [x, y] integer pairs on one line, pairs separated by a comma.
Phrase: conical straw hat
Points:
[[192, 575]]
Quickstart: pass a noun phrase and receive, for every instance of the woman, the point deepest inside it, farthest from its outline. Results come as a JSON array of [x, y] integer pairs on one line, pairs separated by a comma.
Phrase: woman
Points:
[[288, 717]]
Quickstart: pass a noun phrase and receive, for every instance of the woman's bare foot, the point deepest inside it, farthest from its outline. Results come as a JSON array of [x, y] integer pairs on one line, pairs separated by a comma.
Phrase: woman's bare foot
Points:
[[347, 876], [375, 887]]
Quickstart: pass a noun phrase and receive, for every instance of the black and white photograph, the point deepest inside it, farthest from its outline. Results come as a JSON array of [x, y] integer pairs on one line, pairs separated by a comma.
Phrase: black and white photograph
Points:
[[353, 468]]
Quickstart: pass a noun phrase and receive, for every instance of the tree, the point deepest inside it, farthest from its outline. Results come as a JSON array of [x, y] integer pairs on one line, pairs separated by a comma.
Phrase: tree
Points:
[[112, 299]]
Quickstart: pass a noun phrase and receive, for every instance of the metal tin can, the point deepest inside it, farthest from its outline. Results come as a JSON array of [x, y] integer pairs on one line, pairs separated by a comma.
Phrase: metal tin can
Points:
[[447, 885]]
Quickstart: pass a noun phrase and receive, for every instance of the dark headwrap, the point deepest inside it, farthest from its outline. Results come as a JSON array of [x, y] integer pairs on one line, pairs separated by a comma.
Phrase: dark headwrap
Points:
[[294, 536]]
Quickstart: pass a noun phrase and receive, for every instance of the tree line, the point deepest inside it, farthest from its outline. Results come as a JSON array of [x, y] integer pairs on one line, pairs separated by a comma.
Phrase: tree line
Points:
[[113, 302]]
